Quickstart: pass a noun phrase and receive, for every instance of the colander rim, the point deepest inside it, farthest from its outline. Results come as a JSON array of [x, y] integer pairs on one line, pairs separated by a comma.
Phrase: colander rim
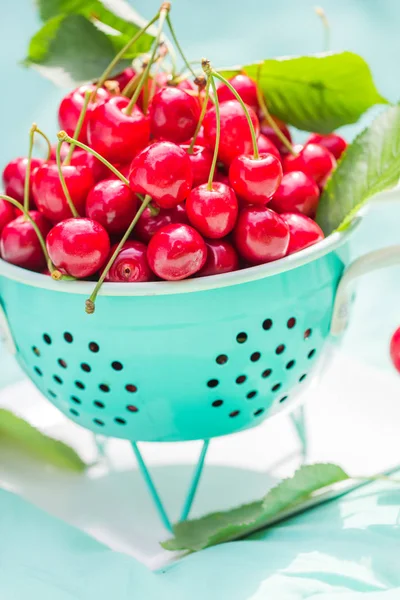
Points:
[[155, 288]]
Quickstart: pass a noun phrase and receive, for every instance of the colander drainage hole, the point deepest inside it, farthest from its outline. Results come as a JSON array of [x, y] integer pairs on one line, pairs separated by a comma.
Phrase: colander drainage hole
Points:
[[241, 379], [98, 422], [47, 338], [290, 364], [291, 323], [258, 412], [52, 394], [283, 398], [68, 337], [36, 350], [99, 404], [94, 347], [62, 363], [267, 324], [132, 408], [266, 373], [74, 412], [279, 349], [302, 378], [76, 400], [104, 388], [311, 353], [131, 388], [307, 334], [234, 413], [241, 337], [117, 366], [58, 379], [120, 421], [276, 387], [80, 385], [217, 403], [85, 367], [255, 356], [222, 359], [38, 371], [251, 394], [212, 383]]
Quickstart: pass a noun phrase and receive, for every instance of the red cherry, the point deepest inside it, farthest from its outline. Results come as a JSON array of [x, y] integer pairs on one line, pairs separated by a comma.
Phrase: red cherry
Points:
[[14, 177], [212, 212], [164, 172], [7, 213], [255, 179], [112, 204], [71, 106], [221, 258], [19, 243], [395, 349], [245, 87], [222, 177], [331, 141], [124, 169], [114, 134], [313, 159], [174, 115], [187, 85], [176, 252], [78, 247], [200, 139], [298, 193], [269, 133], [201, 160], [130, 265], [261, 235], [149, 223], [266, 146], [81, 158], [304, 232], [48, 193], [235, 132], [124, 77]]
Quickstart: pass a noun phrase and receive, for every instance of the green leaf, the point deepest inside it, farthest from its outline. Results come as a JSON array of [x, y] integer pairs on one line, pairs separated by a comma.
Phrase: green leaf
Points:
[[238, 522], [17, 433], [371, 164], [317, 93]]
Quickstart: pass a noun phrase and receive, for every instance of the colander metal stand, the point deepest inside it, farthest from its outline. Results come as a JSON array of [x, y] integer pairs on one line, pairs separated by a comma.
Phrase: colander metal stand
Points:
[[154, 492]]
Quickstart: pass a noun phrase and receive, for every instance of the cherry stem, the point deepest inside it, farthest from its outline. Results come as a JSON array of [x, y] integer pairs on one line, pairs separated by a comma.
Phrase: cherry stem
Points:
[[90, 302], [64, 137], [327, 29], [131, 85], [177, 44], [269, 118], [162, 16], [217, 137], [120, 55], [46, 139], [28, 169], [246, 112], [202, 114], [78, 128], [62, 181]]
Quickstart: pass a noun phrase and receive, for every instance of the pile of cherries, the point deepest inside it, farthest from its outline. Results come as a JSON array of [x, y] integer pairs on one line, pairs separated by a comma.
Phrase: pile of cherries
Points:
[[249, 210]]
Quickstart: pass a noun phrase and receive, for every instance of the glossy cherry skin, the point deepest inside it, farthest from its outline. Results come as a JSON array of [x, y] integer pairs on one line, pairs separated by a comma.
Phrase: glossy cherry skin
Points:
[[395, 349], [81, 158], [174, 115], [297, 193], [201, 160], [221, 258], [71, 106], [149, 223], [266, 146], [245, 87], [48, 193], [261, 235], [19, 243], [313, 159], [235, 132], [255, 179], [212, 212], [164, 172], [124, 77], [331, 141], [176, 252], [304, 232], [114, 134], [269, 133], [200, 139], [131, 264], [78, 247], [7, 213], [112, 204], [14, 177]]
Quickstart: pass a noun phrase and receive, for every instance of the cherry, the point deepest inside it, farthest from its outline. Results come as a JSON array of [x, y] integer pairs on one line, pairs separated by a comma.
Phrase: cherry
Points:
[[235, 133], [7, 213], [200, 139], [269, 133], [255, 179], [298, 193], [245, 87], [150, 223], [176, 252], [174, 115], [261, 235], [78, 247], [14, 177], [164, 172], [112, 204], [222, 177], [81, 158], [395, 349], [331, 141], [187, 85], [304, 232], [20, 245], [116, 135], [266, 146], [221, 258], [313, 159], [49, 195], [213, 212], [201, 161], [130, 265], [124, 77], [124, 169], [71, 106]]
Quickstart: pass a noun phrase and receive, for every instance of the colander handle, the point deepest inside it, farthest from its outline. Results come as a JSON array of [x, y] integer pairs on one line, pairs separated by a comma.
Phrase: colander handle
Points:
[[373, 261]]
